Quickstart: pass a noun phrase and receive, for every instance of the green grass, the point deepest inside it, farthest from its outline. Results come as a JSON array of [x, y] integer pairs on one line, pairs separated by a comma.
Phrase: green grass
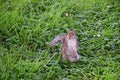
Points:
[[26, 25]]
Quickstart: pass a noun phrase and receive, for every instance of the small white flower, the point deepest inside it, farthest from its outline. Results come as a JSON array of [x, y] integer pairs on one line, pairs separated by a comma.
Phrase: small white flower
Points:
[[66, 14], [108, 6], [98, 35]]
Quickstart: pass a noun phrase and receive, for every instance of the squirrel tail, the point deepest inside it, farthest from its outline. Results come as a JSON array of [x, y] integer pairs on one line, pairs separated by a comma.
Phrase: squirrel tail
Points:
[[57, 39]]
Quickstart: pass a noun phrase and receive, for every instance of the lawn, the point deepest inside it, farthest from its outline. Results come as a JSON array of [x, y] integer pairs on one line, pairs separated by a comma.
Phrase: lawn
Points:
[[26, 26]]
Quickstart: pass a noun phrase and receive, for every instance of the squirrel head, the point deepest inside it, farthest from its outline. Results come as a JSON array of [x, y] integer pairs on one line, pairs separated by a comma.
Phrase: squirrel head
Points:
[[71, 34]]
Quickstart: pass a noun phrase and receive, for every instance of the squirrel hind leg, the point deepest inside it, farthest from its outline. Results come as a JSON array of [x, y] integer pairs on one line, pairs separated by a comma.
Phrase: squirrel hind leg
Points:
[[74, 58]]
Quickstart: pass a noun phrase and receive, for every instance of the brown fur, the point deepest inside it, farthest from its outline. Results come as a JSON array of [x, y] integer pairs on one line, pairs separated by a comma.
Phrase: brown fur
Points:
[[71, 34], [69, 46]]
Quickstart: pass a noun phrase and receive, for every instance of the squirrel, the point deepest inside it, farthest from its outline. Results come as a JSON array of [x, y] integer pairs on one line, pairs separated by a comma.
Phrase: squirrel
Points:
[[69, 46]]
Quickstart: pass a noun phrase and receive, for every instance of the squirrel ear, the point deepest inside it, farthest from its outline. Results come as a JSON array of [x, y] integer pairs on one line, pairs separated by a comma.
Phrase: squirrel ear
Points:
[[68, 31]]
